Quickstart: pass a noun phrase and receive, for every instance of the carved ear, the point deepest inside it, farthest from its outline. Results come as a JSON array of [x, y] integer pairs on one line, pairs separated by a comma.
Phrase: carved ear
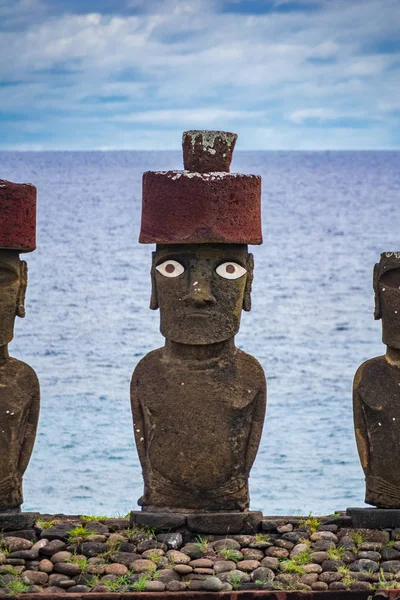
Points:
[[154, 297], [23, 275], [249, 281], [378, 312]]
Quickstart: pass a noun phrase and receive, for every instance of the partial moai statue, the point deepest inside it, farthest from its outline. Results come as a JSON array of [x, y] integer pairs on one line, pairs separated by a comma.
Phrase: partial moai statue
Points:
[[198, 403], [376, 394], [19, 387]]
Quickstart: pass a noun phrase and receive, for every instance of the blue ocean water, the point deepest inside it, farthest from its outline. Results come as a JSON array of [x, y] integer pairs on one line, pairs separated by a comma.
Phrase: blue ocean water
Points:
[[326, 218]]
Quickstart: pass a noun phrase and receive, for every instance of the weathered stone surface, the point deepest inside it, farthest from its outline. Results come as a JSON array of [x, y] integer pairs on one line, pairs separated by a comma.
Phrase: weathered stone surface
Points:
[[143, 565], [248, 565], [35, 577], [183, 569], [391, 566], [200, 315], [212, 584], [330, 576], [226, 543], [155, 586], [376, 399], [24, 554], [224, 523], [69, 569], [204, 563], [53, 547], [61, 556], [277, 552], [178, 557], [93, 548], [17, 521], [176, 586], [262, 574], [363, 564], [46, 566], [270, 562], [15, 544], [372, 518], [223, 566], [158, 520], [173, 541]]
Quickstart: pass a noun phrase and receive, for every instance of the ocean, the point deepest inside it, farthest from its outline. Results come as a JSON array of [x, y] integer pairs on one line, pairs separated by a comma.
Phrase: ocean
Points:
[[327, 216]]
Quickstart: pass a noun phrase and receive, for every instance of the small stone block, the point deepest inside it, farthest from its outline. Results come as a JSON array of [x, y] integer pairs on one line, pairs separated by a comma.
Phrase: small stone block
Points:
[[158, 520], [223, 523], [374, 518], [17, 521]]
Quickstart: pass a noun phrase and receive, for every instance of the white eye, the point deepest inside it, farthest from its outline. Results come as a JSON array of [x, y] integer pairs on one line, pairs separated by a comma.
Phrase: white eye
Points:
[[230, 270], [170, 268]]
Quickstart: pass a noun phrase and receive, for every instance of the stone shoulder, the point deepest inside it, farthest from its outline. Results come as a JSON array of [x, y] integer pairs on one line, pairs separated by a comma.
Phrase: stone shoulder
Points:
[[23, 372], [250, 367], [369, 368]]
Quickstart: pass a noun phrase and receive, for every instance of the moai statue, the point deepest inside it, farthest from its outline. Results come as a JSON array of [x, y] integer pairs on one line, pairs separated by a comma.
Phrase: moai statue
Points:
[[198, 403], [19, 387], [376, 394]]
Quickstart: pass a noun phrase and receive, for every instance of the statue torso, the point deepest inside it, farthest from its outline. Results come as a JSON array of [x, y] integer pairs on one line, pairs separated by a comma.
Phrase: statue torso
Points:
[[197, 419], [378, 392]]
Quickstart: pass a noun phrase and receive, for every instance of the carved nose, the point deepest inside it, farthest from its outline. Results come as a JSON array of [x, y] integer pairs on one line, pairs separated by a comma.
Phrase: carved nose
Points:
[[199, 293]]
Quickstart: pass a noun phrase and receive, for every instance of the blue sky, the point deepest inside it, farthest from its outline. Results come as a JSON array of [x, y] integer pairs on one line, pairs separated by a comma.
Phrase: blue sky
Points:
[[133, 74]]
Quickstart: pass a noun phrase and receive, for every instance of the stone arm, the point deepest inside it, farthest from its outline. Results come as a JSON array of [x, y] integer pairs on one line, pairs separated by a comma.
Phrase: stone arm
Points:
[[360, 428], [260, 404], [138, 421], [31, 426]]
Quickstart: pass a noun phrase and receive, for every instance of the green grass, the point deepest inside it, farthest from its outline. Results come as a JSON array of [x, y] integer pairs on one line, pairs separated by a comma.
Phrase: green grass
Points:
[[229, 554], [357, 536], [202, 544], [289, 566], [48, 524], [344, 571], [235, 580], [335, 553], [93, 517], [383, 583], [16, 587], [261, 537], [310, 523], [78, 533], [81, 561], [10, 570], [302, 559], [141, 583], [116, 585], [155, 557]]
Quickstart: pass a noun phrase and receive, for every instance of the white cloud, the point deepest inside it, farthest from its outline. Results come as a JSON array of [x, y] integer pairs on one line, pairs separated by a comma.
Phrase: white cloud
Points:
[[320, 114], [186, 63]]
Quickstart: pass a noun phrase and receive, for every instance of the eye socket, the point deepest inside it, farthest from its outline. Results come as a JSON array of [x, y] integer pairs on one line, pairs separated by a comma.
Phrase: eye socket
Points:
[[170, 268], [230, 270]]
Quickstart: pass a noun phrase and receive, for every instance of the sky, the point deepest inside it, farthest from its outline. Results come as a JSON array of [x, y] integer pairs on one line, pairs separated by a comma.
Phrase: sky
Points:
[[134, 74]]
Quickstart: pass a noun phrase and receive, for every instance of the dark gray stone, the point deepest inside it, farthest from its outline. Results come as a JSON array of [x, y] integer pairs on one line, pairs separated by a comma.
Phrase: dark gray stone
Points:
[[364, 564], [374, 518], [391, 566], [17, 521], [225, 523], [157, 520], [93, 548], [173, 541], [33, 554]]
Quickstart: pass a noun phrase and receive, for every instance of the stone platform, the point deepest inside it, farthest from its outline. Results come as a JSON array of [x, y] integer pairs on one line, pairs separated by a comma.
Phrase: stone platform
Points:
[[224, 556]]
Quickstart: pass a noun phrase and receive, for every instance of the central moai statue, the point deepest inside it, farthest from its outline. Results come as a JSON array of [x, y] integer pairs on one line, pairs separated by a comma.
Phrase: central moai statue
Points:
[[19, 387], [376, 394], [198, 403]]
